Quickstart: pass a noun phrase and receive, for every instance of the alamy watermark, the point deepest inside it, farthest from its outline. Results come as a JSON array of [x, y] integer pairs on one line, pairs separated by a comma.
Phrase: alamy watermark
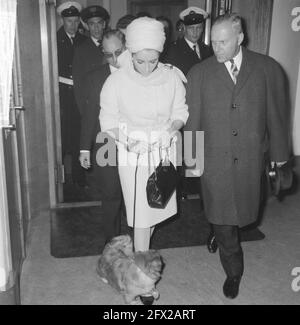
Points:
[[296, 281], [296, 20], [187, 149]]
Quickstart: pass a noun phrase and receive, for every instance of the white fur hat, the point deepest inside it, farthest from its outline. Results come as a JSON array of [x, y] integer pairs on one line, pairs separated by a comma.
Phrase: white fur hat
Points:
[[145, 33]]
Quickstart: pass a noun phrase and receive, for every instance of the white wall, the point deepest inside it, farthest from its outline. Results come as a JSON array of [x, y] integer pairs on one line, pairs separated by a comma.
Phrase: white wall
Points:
[[285, 48]]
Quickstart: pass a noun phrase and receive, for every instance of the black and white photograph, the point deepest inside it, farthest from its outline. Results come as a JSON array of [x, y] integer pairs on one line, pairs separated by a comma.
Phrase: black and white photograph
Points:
[[150, 155]]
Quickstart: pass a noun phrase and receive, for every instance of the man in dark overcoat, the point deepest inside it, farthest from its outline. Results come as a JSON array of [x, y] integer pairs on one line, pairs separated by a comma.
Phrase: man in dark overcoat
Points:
[[239, 99], [68, 38], [103, 181], [89, 56], [190, 49]]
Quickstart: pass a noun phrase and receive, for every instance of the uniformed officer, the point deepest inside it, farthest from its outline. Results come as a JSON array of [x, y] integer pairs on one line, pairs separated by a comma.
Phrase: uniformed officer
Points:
[[89, 56], [189, 50], [68, 38]]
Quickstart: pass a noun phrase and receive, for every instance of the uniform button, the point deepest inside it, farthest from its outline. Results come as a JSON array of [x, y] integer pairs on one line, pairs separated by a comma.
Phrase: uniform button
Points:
[[234, 106], [234, 133], [236, 161]]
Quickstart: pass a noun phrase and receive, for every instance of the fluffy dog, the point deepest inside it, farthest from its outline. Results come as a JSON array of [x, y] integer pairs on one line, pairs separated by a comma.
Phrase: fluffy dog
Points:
[[131, 274]]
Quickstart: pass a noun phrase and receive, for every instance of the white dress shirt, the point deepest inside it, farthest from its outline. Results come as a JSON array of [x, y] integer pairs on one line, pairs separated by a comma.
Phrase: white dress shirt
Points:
[[191, 45], [238, 62]]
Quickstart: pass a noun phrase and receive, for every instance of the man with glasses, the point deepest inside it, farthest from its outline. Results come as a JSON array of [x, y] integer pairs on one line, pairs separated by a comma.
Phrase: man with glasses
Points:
[[103, 181]]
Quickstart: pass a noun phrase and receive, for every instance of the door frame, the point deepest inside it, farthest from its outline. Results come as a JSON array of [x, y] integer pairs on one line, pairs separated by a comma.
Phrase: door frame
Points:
[[50, 98], [52, 107]]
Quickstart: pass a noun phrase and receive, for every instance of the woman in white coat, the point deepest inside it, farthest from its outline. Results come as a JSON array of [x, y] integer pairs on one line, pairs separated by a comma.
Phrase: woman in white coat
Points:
[[143, 106]]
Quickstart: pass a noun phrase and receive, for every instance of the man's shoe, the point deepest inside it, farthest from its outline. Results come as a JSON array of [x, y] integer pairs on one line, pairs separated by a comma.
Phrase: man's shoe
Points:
[[147, 300], [211, 243], [231, 287]]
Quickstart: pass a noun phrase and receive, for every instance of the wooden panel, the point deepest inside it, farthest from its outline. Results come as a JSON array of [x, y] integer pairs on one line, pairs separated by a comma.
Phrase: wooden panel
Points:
[[31, 70], [257, 16], [13, 198]]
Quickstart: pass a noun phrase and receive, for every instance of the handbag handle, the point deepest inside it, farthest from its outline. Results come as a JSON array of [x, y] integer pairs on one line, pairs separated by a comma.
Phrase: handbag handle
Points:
[[167, 159], [134, 194]]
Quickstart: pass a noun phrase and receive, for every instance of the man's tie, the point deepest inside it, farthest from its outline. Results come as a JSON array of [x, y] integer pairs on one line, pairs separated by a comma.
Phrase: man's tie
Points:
[[234, 71], [195, 50]]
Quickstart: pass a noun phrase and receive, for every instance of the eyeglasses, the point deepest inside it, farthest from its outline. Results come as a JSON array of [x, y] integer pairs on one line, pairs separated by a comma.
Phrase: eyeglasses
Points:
[[109, 55]]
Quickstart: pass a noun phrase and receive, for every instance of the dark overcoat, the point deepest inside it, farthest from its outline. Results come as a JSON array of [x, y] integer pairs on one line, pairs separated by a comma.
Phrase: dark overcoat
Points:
[[69, 113], [90, 125], [241, 123], [103, 181], [87, 58], [183, 57]]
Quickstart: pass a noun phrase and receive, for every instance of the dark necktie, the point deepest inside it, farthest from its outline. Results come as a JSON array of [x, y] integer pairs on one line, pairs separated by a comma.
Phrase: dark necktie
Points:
[[234, 70], [72, 39], [195, 50]]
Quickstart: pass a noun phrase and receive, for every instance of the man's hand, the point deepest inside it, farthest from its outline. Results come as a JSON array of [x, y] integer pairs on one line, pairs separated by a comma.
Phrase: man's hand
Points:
[[85, 159]]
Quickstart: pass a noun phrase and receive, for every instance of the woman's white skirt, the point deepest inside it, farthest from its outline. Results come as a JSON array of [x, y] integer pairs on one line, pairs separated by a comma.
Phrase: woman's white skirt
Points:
[[145, 216]]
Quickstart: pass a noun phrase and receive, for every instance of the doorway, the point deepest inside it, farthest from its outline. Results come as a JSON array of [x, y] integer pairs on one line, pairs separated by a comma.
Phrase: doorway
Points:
[[156, 8], [63, 191]]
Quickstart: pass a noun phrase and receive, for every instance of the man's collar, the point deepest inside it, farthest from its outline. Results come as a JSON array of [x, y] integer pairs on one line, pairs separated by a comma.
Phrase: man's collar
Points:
[[69, 35], [95, 41], [238, 58], [190, 44], [112, 68]]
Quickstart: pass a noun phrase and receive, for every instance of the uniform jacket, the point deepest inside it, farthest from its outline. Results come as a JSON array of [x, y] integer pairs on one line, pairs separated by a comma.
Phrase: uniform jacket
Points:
[[69, 114], [241, 123], [88, 57], [183, 57], [90, 125], [65, 52]]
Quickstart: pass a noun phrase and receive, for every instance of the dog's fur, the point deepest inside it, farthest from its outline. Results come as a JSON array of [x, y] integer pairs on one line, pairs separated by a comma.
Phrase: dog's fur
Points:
[[131, 274]]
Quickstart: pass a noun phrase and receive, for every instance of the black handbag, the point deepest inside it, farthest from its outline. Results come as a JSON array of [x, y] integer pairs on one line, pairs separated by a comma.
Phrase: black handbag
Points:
[[161, 184]]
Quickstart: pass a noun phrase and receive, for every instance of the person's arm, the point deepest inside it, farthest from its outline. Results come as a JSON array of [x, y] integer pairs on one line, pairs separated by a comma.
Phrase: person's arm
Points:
[[278, 113], [78, 76], [179, 114], [192, 125], [110, 116], [89, 120]]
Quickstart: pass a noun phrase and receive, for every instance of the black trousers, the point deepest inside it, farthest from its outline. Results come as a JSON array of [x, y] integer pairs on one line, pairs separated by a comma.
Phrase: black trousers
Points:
[[104, 185], [230, 249], [70, 130]]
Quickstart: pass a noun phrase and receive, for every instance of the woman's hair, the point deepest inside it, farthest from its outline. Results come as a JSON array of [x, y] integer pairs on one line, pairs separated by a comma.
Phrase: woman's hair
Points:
[[168, 30], [124, 21], [143, 14]]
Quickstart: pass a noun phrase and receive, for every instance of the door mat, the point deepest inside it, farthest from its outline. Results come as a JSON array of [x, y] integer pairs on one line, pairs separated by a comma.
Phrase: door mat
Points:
[[78, 232]]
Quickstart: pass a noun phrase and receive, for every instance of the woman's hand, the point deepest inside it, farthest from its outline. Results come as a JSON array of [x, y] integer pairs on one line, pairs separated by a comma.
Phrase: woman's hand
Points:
[[138, 146], [166, 138]]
